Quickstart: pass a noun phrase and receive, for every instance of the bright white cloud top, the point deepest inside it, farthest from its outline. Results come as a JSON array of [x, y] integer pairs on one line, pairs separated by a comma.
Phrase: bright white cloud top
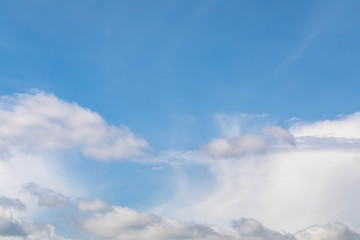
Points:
[[286, 179], [42, 122]]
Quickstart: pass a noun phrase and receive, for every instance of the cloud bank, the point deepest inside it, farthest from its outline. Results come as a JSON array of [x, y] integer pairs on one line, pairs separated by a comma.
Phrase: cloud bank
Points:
[[121, 223]]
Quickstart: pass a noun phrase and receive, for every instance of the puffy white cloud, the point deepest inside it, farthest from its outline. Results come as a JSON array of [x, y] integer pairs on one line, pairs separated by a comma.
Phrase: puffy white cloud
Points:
[[345, 127], [251, 228], [47, 197], [42, 122], [95, 205], [127, 224]]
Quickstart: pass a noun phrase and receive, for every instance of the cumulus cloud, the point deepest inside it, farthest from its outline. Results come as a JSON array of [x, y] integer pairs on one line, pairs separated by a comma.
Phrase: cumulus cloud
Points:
[[331, 231], [236, 142], [317, 180], [345, 127], [42, 122], [95, 205], [47, 197], [11, 229], [232, 147], [251, 228], [127, 224]]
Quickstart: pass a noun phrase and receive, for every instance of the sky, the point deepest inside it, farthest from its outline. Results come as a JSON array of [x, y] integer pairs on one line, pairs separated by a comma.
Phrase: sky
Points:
[[177, 119]]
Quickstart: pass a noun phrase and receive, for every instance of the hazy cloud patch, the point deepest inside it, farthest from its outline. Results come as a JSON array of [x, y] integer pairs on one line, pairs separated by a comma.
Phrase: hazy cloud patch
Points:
[[280, 134], [47, 197], [237, 146], [6, 202], [95, 205]]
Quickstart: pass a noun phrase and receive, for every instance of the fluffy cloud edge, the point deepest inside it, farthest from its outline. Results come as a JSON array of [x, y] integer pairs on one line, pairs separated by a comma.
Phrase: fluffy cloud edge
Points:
[[42, 122]]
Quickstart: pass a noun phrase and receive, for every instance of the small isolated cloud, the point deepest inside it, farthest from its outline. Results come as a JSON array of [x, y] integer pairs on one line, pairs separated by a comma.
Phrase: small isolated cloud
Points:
[[232, 147], [47, 197], [42, 122], [95, 205], [6, 203]]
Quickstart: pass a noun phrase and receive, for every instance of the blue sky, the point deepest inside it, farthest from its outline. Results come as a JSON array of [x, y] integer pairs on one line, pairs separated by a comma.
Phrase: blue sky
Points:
[[157, 105]]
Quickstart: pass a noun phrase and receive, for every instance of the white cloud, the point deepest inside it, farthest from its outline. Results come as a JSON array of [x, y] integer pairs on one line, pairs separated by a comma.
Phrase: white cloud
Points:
[[251, 228], [232, 147], [47, 197], [331, 231], [280, 134], [286, 187], [11, 229], [47, 171], [127, 224], [347, 127], [42, 122], [95, 205], [14, 229]]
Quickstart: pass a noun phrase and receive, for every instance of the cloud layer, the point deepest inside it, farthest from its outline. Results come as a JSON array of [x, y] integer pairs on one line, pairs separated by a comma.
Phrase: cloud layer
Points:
[[120, 223], [286, 179]]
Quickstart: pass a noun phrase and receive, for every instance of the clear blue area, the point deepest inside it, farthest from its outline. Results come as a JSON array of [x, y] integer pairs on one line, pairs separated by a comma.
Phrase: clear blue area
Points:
[[165, 67]]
